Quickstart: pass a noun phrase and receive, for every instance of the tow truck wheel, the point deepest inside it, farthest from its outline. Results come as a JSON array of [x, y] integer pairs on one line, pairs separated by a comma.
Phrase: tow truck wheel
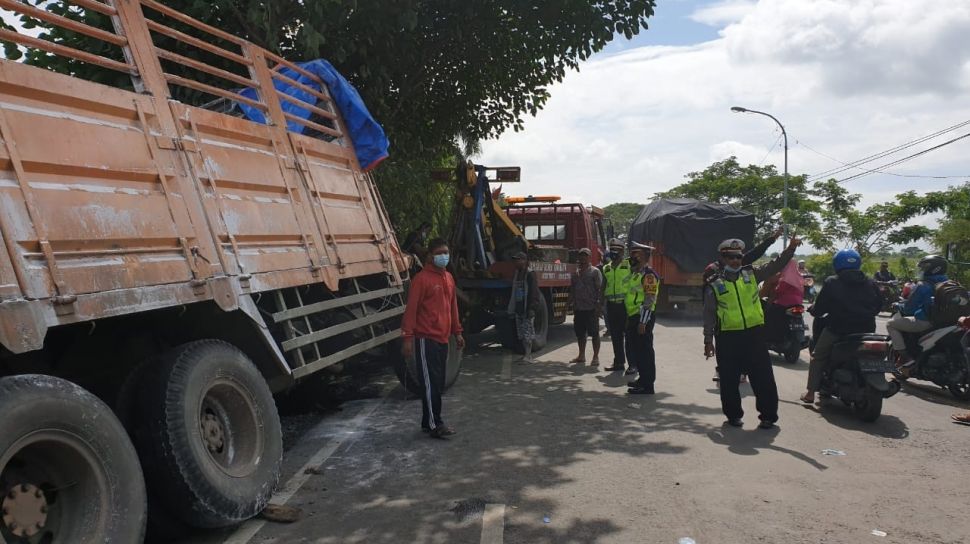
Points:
[[204, 420], [68, 472]]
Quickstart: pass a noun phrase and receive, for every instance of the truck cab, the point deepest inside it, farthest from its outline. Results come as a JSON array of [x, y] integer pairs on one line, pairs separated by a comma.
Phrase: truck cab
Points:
[[560, 230]]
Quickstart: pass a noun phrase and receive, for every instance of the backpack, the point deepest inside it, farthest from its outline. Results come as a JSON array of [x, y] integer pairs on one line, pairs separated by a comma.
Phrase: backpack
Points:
[[951, 301]]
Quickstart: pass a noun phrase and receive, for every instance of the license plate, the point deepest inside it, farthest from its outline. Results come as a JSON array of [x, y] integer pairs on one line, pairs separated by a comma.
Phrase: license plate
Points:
[[880, 366]]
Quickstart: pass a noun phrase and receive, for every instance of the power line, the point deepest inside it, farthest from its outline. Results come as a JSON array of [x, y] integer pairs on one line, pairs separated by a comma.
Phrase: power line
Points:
[[770, 149], [904, 159], [876, 156], [875, 171]]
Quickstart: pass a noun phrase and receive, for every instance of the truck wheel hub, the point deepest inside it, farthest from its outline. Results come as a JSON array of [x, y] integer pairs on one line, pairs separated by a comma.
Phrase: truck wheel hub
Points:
[[24, 510], [213, 433]]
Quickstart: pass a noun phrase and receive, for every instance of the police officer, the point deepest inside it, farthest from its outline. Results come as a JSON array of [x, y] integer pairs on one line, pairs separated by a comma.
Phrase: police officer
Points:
[[643, 285], [734, 330], [615, 274]]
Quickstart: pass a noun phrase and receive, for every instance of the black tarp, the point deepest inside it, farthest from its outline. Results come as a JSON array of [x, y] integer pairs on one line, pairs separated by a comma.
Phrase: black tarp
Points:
[[690, 230]]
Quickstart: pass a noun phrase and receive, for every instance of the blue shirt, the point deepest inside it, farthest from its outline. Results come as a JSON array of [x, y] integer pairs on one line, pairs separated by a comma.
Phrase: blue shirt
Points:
[[921, 299]]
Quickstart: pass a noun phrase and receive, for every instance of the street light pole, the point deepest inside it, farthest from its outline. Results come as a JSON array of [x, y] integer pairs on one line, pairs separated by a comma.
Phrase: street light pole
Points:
[[784, 134]]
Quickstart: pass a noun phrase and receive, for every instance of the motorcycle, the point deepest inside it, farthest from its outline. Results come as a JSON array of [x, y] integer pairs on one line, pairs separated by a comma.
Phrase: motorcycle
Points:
[[856, 372], [809, 286], [941, 356], [786, 331], [890, 292]]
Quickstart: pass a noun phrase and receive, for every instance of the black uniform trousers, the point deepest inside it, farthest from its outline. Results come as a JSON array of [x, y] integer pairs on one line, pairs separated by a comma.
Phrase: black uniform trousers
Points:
[[745, 352], [432, 359], [639, 350], [616, 321]]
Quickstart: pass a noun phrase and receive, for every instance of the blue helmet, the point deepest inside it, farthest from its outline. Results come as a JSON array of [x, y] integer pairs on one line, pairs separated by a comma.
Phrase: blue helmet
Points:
[[847, 259]]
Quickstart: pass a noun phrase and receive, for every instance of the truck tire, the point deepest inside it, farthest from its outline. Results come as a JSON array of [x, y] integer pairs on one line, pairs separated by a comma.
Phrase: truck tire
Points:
[[791, 354], [68, 472], [509, 336], [205, 421], [407, 371]]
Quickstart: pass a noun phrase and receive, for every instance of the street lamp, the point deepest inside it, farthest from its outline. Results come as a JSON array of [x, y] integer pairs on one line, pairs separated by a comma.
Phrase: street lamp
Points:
[[739, 109]]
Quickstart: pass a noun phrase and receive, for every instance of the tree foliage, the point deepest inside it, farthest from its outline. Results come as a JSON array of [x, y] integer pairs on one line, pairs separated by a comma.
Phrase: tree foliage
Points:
[[622, 215], [754, 189]]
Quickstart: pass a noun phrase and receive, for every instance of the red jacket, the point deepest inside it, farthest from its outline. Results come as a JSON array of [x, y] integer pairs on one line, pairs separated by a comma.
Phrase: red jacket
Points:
[[432, 310]]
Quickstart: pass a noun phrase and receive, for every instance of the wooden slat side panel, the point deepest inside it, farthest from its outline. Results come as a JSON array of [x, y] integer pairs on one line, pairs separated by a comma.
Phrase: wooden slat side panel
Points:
[[248, 185], [110, 212]]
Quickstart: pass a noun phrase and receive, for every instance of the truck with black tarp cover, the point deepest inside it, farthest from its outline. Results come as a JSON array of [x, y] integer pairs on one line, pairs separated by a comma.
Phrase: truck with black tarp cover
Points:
[[686, 233]]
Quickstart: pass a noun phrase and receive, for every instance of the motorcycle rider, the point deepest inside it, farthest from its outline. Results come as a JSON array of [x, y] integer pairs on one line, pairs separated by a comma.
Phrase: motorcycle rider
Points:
[[851, 301], [914, 314], [883, 274]]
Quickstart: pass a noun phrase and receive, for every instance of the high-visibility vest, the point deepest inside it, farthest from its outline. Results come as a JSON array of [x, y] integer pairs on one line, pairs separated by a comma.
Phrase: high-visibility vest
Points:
[[616, 281], [636, 289], [738, 302]]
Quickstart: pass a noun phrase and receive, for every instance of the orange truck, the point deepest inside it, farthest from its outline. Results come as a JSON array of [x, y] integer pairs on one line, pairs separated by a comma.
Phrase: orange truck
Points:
[[686, 233], [165, 268]]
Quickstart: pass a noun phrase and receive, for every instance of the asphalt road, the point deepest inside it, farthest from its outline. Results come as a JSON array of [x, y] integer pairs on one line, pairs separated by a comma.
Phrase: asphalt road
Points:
[[554, 452]]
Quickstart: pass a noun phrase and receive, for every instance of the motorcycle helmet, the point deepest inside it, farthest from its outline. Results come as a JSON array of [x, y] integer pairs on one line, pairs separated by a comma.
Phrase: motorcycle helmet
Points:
[[847, 259], [932, 265]]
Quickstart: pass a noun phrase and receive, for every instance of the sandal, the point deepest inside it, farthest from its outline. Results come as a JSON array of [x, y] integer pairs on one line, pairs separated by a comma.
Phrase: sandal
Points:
[[962, 419], [807, 398], [578, 360]]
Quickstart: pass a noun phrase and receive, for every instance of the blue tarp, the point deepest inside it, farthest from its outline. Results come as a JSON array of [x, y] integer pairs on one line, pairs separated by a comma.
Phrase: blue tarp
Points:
[[365, 132]]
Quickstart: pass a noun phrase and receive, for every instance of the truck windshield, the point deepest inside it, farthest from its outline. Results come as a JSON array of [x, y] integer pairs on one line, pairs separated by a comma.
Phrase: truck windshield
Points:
[[538, 233]]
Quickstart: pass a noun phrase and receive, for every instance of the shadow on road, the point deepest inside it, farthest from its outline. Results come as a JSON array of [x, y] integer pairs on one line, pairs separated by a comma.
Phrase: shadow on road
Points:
[[749, 442], [837, 413], [932, 393], [517, 437]]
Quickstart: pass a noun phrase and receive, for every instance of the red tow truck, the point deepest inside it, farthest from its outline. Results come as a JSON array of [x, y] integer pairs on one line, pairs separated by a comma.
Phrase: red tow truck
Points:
[[488, 229]]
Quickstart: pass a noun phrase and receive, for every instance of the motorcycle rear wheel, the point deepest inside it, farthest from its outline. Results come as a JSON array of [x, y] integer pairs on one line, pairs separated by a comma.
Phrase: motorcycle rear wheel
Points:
[[870, 407]]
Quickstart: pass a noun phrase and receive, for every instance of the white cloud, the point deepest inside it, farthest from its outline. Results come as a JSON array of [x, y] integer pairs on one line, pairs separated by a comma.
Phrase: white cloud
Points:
[[721, 13], [847, 78]]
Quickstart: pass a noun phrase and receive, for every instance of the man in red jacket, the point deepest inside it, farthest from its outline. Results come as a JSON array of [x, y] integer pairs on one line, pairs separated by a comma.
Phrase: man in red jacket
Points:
[[430, 318]]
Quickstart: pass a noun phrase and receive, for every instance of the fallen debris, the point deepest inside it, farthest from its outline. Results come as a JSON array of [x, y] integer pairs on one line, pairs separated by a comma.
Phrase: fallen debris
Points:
[[281, 513]]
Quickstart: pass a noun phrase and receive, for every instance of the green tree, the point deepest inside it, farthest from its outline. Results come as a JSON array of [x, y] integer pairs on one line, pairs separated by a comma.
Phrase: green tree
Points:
[[430, 71], [622, 215], [911, 252], [868, 231], [754, 189]]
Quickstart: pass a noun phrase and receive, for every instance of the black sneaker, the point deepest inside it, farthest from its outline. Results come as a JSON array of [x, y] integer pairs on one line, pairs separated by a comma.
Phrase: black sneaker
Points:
[[630, 371], [613, 368], [765, 424], [640, 391], [442, 432], [736, 422]]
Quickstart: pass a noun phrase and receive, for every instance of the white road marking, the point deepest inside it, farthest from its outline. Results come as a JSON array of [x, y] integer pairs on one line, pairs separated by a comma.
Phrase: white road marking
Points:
[[493, 524], [507, 368], [250, 528]]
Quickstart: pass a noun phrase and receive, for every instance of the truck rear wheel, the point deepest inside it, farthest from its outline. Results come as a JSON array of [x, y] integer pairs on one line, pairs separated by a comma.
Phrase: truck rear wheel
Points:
[[68, 472], [407, 371], [205, 421]]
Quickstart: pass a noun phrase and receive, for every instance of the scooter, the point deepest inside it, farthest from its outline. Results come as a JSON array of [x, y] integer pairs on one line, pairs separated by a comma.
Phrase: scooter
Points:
[[786, 334], [941, 356], [856, 373], [889, 290]]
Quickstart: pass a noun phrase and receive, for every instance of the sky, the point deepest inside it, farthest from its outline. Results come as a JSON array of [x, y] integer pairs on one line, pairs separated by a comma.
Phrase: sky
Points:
[[847, 78]]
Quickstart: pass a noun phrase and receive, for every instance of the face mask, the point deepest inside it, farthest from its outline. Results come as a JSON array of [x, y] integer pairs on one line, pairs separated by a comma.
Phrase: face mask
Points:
[[732, 269], [612, 255], [441, 261]]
